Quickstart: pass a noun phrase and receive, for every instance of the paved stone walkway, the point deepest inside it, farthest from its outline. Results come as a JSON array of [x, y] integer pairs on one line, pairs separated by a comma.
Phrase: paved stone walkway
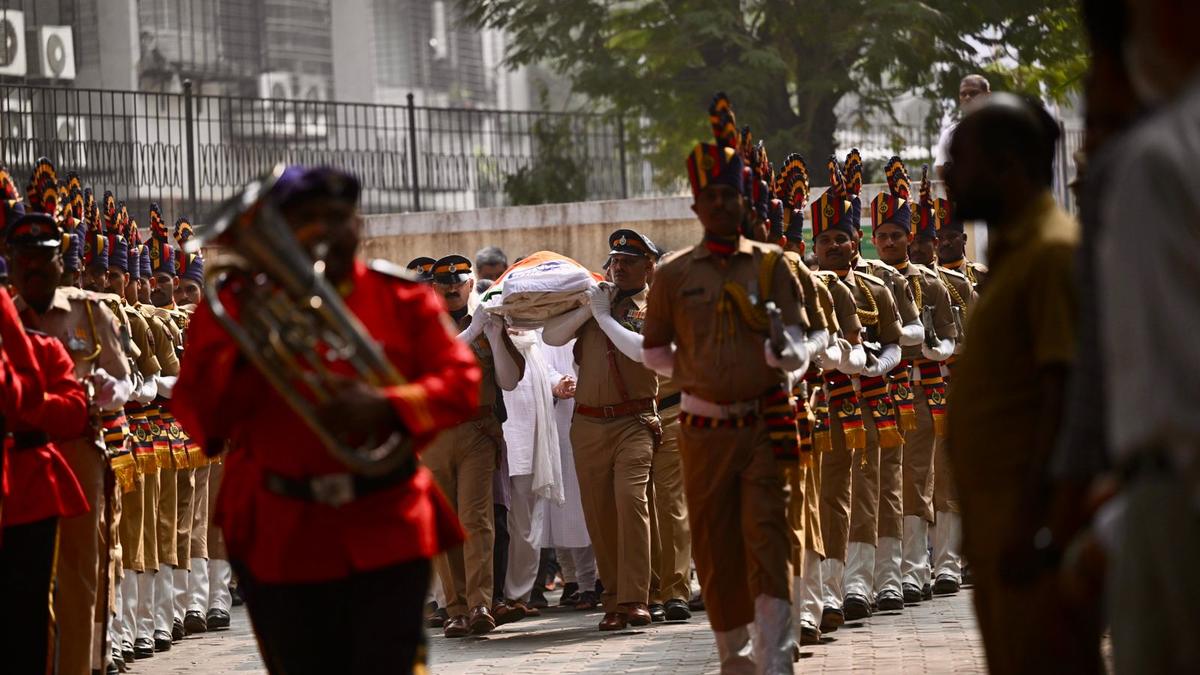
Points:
[[933, 637]]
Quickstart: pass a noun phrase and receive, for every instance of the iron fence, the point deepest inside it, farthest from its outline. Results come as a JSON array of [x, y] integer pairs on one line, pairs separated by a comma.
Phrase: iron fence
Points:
[[190, 151]]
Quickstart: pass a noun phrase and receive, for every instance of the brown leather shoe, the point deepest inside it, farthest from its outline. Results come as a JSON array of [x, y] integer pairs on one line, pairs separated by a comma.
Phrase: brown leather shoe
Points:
[[481, 621], [456, 627], [508, 612], [636, 613], [614, 621]]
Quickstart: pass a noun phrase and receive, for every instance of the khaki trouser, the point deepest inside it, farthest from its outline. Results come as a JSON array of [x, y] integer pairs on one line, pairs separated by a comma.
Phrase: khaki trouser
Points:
[[835, 493], [737, 504], [462, 460], [919, 448], [185, 488], [200, 514], [79, 566], [890, 519], [670, 537], [133, 544], [945, 489], [867, 488], [794, 474], [813, 540], [168, 514], [149, 513], [612, 459], [216, 538]]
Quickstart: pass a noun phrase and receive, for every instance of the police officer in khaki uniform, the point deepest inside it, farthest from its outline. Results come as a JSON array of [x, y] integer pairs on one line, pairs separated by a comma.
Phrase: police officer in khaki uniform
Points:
[[952, 249], [670, 535], [946, 537], [708, 327], [616, 426], [860, 418], [906, 478], [463, 458], [91, 334]]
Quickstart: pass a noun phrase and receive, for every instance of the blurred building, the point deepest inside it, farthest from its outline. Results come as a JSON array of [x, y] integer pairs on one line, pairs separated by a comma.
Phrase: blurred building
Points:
[[369, 51]]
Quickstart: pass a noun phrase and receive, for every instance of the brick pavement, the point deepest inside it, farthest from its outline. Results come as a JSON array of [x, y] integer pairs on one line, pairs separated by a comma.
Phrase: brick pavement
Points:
[[934, 637]]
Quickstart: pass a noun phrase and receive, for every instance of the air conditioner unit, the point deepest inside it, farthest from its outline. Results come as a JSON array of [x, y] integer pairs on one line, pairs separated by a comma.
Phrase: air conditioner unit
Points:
[[70, 135], [313, 91], [12, 43], [272, 117], [16, 124], [56, 52]]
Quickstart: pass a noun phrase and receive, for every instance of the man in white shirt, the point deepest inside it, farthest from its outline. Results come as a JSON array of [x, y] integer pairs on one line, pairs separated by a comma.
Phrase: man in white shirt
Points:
[[970, 88]]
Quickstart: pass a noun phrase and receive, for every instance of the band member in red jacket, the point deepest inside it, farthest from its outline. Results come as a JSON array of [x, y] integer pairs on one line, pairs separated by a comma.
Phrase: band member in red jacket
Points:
[[39, 487], [335, 579]]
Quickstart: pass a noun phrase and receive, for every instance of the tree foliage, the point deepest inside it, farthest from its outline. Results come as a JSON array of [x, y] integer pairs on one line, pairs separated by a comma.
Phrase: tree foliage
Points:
[[556, 175], [784, 63]]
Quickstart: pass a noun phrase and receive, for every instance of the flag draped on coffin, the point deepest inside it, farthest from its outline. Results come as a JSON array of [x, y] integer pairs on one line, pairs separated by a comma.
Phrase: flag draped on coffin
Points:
[[541, 286]]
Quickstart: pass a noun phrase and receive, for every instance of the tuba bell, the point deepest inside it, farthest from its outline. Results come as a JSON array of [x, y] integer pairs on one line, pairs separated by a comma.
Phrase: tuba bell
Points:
[[291, 323]]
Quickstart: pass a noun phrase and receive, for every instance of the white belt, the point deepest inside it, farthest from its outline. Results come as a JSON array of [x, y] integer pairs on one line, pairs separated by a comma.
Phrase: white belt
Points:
[[695, 405]]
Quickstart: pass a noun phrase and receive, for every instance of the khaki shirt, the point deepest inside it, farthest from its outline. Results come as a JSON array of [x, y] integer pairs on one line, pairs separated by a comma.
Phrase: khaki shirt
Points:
[[718, 357], [147, 360], [808, 287], [928, 288], [876, 308], [906, 303], [86, 326], [597, 384], [487, 363], [973, 271], [844, 309], [1022, 324], [962, 296], [166, 338]]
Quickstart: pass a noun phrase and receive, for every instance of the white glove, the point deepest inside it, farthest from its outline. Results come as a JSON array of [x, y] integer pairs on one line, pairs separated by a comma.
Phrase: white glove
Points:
[[111, 393], [473, 331], [831, 356], [854, 359], [166, 385], [146, 393], [795, 354], [660, 359], [943, 350], [816, 342], [888, 360], [912, 334], [600, 299]]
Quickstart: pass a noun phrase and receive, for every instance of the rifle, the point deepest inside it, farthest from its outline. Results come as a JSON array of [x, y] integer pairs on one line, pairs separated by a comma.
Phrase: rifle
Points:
[[775, 334], [931, 338]]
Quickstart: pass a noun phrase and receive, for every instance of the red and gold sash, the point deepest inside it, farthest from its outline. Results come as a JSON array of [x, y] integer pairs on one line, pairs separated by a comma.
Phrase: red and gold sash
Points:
[[903, 397], [843, 401], [820, 409], [804, 422], [935, 393], [879, 402], [142, 437], [779, 414], [161, 441]]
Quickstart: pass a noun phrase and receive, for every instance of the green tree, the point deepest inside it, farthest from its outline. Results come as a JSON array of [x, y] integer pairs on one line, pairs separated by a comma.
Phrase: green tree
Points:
[[556, 175], [784, 63]]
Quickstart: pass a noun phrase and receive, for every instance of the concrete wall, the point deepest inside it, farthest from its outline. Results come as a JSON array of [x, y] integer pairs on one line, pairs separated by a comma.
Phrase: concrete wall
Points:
[[579, 230]]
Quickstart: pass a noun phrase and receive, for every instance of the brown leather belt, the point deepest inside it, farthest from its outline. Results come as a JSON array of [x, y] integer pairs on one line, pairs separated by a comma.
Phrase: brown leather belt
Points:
[[636, 407]]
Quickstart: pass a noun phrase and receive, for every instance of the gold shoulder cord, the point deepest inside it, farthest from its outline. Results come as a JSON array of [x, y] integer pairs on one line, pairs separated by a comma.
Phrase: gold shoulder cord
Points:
[[95, 337], [970, 274], [867, 317], [917, 293], [953, 292]]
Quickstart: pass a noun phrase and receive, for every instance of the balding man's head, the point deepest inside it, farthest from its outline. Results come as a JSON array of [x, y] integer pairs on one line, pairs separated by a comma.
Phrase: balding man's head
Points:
[[1005, 144], [971, 87]]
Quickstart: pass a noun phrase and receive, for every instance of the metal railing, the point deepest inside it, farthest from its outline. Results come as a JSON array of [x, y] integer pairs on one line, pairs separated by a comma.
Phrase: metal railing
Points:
[[189, 151]]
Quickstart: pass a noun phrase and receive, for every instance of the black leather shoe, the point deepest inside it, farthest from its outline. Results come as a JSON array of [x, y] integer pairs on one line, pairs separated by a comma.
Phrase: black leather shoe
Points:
[[809, 636], [437, 618], [856, 608], [456, 627], [111, 669], [658, 613], [588, 600], [570, 595], [890, 601], [127, 654], [537, 599], [926, 592], [912, 594], [193, 622], [143, 648], [832, 618], [677, 610], [177, 631], [945, 585], [118, 661], [217, 619], [162, 641]]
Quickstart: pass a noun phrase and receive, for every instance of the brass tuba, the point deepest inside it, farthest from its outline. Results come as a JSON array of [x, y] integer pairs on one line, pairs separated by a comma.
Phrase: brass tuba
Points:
[[291, 323]]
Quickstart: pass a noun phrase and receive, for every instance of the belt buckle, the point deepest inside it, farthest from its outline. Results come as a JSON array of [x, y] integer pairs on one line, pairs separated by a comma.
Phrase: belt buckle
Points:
[[335, 489], [609, 411]]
